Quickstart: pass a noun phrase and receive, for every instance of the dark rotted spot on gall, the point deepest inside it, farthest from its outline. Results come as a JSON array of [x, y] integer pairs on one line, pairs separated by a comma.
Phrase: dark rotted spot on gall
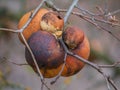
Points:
[[46, 50], [59, 17], [42, 65], [45, 18]]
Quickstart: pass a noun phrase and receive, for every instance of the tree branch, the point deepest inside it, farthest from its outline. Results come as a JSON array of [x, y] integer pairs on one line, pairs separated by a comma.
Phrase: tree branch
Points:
[[70, 10], [95, 66], [90, 19], [9, 30]]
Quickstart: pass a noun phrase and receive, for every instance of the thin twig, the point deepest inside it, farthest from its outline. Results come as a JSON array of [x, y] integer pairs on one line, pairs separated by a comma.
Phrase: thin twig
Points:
[[50, 4], [70, 10], [4, 59], [32, 15], [92, 21], [84, 11], [91, 18], [59, 74], [113, 13], [37, 67], [107, 82], [9, 30], [112, 83], [18, 64], [95, 66], [110, 66], [101, 27], [61, 40], [35, 62], [92, 15], [22, 29], [106, 7]]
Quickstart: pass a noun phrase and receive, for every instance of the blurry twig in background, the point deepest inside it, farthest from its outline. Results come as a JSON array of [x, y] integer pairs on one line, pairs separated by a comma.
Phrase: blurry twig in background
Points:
[[4, 59]]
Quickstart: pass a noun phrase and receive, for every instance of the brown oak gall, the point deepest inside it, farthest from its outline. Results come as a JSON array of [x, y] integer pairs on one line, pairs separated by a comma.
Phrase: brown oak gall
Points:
[[73, 36], [77, 43], [34, 24], [47, 51]]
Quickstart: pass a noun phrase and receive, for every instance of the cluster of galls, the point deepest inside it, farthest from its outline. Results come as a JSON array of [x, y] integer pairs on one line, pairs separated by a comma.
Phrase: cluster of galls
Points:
[[43, 34]]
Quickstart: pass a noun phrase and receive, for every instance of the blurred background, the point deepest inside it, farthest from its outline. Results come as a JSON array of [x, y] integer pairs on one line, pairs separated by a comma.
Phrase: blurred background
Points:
[[105, 49]]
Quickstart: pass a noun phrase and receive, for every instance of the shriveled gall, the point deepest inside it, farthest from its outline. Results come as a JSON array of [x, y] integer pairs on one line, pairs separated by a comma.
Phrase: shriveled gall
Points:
[[53, 23]]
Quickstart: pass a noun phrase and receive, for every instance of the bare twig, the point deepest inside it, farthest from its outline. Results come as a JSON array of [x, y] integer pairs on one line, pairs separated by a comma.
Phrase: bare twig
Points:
[[59, 74], [18, 64], [107, 82], [112, 83], [91, 20], [50, 4], [100, 27], [22, 29], [32, 15], [110, 20], [62, 68], [9, 30], [61, 40], [114, 12], [95, 66], [35, 62], [105, 7], [92, 15], [37, 67], [5, 59], [84, 11], [70, 10], [116, 64]]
